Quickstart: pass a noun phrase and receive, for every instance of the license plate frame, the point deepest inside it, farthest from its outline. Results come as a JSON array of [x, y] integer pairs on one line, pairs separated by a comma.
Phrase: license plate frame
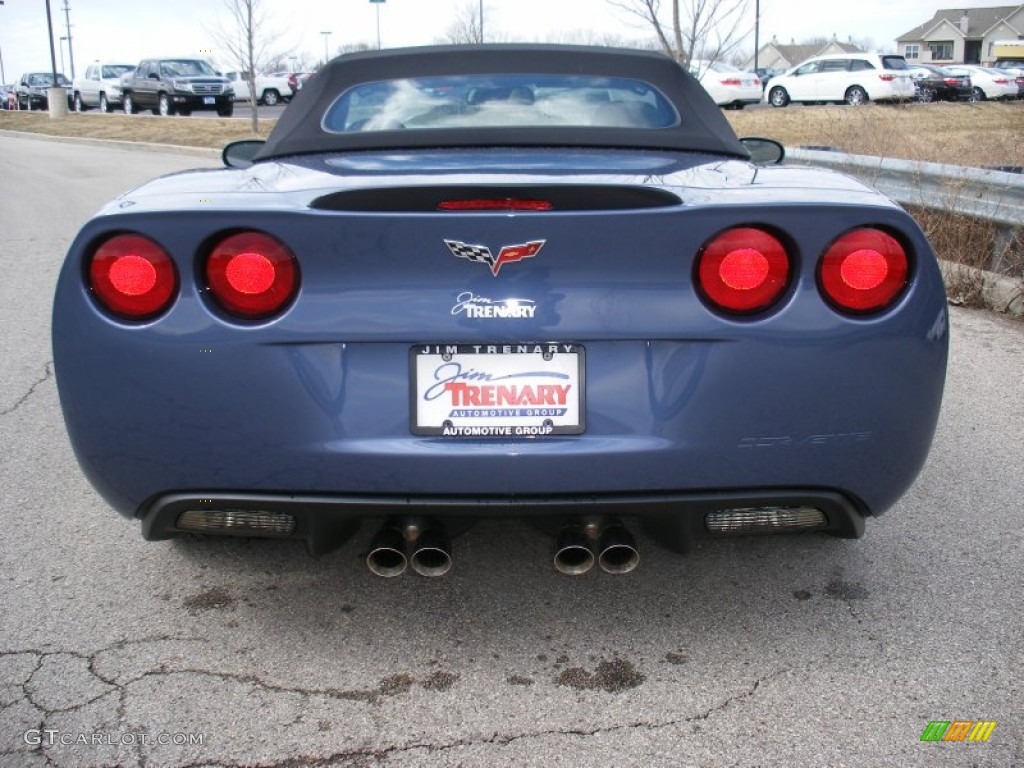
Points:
[[503, 391]]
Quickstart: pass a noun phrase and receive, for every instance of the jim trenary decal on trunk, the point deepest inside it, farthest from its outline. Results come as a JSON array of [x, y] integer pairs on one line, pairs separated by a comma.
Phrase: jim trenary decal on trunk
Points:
[[497, 390], [507, 254]]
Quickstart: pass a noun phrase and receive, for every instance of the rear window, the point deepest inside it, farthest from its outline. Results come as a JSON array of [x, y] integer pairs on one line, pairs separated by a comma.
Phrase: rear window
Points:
[[894, 62], [116, 70], [505, 100]]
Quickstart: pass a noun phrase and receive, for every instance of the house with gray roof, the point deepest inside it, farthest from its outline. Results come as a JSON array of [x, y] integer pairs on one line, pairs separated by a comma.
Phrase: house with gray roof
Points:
[[777, 56], [956, 35]]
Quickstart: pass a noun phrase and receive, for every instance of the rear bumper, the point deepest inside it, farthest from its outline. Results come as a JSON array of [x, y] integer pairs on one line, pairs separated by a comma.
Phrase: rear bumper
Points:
[[324, 522]]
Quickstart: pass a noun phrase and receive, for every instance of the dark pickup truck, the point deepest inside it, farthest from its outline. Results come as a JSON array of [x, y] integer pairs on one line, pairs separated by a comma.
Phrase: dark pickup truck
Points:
[[176, 86]]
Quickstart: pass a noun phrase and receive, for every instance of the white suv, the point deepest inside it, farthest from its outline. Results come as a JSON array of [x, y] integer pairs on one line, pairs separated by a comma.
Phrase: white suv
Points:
[[100, 86], [855, 78]]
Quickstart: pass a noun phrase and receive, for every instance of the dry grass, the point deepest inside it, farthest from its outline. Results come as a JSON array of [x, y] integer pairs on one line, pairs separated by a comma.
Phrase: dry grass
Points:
[[978, 134], [180, 131]]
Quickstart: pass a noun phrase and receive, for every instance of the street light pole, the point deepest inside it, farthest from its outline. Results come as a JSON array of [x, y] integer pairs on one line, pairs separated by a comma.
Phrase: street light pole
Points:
[[56, 96], [377, 4], [67, 22], [326, 34], [757, 30], [62, 53], [481, 21]]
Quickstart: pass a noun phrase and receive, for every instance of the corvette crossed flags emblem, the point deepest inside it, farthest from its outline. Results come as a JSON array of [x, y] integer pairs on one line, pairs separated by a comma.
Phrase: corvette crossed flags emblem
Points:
[[506, 255]]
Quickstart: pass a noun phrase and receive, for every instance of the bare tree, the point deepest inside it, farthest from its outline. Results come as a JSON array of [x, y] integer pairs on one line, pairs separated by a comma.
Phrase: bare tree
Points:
[[467, 28], [706, 29], [602, 40], [356, 47], [245, 41]]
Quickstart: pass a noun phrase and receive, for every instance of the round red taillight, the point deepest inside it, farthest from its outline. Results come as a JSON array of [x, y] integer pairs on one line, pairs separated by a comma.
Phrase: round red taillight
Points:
[[133, 277], [865, 270], [252, 275], [743, 270]]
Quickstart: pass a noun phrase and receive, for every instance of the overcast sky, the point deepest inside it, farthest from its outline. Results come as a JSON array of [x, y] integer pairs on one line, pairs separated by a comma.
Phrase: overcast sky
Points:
[[126, 31]]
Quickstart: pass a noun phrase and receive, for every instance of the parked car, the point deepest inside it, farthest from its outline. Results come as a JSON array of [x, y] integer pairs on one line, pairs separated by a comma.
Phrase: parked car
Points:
[[1013, 67], [730, 87], [458, 282], [9, 96], [176, 85], [100, 86], [34, 87], [765, 74], [854, 78], [938, 84], [270, 89], [987, 82], [296, 80]]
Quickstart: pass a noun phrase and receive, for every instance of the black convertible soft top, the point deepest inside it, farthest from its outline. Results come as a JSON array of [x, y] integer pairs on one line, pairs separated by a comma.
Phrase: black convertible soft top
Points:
[[702, 126]]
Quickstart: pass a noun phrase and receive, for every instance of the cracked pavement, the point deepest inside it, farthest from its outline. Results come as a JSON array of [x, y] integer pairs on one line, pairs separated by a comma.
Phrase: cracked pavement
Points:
[[231, 653]]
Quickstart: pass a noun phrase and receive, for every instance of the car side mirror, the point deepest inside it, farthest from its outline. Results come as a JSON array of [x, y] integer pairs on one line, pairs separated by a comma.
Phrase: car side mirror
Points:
[[241, 154], [764, 151]]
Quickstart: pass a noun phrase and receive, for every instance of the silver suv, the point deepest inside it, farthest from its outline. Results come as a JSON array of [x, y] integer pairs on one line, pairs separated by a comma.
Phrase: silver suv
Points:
[[100, 86], [854, 78]]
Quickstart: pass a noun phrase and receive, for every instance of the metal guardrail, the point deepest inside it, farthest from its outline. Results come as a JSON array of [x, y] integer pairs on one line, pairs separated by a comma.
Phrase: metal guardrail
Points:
[[986, 194]]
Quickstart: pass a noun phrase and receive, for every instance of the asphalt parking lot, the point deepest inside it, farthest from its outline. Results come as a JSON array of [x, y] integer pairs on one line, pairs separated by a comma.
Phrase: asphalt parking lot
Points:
[[781, 651]]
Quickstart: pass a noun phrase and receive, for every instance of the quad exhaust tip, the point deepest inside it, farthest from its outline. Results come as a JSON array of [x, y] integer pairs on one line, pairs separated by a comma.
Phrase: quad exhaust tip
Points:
[[424, 547], [398, 545], [582, 544]]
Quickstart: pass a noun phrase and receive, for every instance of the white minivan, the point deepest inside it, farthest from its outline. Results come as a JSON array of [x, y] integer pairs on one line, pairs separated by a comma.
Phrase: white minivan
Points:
[[854, 78]]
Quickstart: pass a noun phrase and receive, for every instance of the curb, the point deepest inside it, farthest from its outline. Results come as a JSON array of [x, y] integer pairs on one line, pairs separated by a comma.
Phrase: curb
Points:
[[998, 293], [134, 146]]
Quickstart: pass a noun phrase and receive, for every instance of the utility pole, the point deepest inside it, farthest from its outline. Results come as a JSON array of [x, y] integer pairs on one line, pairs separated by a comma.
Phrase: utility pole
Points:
[[67, 23], [3, 77], [481, 21]]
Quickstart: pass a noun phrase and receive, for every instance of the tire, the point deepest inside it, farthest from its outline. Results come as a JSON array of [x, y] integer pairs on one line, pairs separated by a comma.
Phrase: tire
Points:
[[855, 96], [977, 94], [77, 103], [129, 104], [271, 98], [226, 111], [184, 112], [778, 97], [104, 104], [163, 106]]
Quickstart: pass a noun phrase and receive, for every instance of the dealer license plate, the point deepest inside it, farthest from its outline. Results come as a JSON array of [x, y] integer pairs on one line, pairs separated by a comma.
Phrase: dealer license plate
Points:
[[209, 100], [497, 390]]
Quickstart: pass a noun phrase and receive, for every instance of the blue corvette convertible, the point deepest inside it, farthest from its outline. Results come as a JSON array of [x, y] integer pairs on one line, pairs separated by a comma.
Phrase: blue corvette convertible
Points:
[[538, 281]]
